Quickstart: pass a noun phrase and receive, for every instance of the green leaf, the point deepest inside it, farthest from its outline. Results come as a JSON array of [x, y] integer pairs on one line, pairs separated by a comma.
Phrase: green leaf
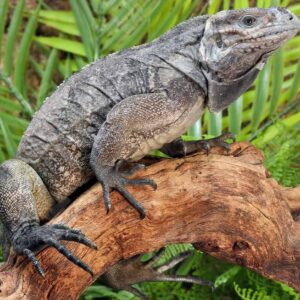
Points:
[[214, 6], [86, 27], [66, 45], [46, 79], [16, 123], [195, 131], [215, 123], [8, 140], [12, 35], [68, 28], [226, 276], [3, 15], [9, 105], [23, 53], [260, 97], [60, 16], [277, 79], [23, 101], [235, 111], [295, 84]]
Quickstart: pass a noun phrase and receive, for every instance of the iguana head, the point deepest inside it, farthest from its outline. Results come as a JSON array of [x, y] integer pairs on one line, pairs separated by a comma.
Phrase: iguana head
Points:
[[235, 46], [236, 40]]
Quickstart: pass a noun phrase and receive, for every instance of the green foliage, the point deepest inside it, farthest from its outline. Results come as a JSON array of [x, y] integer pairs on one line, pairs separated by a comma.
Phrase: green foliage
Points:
[[284, 165]]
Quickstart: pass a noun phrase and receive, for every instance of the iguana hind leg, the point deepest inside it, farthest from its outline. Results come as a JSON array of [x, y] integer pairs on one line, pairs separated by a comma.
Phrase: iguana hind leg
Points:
[[128, 272], [180, 148], [24, 202]]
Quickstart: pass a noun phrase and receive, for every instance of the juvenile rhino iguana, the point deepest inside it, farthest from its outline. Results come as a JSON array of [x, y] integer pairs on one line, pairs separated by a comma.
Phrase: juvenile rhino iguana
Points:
[[124, 105]]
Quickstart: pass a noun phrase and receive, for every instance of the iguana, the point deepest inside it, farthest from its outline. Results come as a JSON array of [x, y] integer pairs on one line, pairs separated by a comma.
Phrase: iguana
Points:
[[121, 107]]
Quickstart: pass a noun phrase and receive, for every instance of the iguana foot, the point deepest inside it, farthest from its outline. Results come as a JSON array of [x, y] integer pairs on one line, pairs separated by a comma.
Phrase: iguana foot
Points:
[[31, 237], [114, 178], [125, 273], [219, 141], [180, 148]]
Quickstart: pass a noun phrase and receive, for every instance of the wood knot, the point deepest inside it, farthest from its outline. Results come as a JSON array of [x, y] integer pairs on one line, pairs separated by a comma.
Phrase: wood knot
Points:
[[240, 245]]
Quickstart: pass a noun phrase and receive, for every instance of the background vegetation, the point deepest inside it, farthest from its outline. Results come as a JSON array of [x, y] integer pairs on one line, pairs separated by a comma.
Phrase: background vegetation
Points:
[[43, 42]]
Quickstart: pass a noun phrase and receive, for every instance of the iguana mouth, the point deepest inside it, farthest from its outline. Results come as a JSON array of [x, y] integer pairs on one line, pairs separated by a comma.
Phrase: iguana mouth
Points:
[[262, 38]]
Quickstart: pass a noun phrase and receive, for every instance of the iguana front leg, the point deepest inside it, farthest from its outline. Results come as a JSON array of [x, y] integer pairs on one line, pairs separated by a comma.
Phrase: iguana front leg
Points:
[[180, 148], [24, 201], [134, 127]]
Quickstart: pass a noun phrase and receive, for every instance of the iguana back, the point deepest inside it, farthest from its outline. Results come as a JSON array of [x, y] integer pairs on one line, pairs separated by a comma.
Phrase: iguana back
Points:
[[59, 139]]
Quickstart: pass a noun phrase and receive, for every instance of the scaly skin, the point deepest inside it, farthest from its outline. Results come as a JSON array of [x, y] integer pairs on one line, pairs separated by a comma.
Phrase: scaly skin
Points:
[[125, 105]]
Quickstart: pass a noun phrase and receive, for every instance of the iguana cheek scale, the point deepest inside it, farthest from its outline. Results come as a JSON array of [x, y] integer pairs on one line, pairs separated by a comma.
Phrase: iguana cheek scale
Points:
[[121, 107]]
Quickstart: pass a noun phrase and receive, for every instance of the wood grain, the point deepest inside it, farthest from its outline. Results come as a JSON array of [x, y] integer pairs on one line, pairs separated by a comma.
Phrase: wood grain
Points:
[[228, 206]]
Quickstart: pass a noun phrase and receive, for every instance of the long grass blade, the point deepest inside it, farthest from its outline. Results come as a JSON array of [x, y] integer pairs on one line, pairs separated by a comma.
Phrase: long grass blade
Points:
[[16, 123], [84, 27], [277, 79], [235, 112], [8, 140], [68, 28], [295, 87], [60, 16], [214, 6], [23, 101], [196, 130], [46, 79], [2, 156], [23, 53], [215, 123], [262, 89], [9, 105], [3, 15], [12, 35], [63, 44]]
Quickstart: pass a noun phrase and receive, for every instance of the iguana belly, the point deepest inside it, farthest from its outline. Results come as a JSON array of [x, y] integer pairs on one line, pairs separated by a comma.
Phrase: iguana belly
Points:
[[168, 134]]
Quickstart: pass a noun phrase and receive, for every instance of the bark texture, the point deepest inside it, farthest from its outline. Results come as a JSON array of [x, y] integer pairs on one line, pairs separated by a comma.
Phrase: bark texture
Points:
[[228, 206]]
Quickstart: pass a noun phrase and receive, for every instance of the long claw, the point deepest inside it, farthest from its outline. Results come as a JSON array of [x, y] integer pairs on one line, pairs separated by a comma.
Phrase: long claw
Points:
[[80, 238], [63, 250], [131, 200], [189, 279], [34, 261], [106, 196], [64, 227], [142, 181]]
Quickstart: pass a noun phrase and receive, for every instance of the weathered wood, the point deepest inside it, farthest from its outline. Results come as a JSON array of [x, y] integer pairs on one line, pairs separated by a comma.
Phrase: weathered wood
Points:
[[227, 205]]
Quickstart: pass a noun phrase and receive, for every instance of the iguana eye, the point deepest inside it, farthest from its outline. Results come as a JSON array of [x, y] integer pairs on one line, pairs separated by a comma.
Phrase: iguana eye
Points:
[[248, 21]]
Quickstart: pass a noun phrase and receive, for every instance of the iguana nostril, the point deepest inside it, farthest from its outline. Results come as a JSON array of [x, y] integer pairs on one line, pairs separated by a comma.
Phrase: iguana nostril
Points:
[[286, 11]]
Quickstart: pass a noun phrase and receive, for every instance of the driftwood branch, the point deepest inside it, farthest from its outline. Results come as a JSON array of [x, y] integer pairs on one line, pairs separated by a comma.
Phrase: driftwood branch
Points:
[[227, 205]]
